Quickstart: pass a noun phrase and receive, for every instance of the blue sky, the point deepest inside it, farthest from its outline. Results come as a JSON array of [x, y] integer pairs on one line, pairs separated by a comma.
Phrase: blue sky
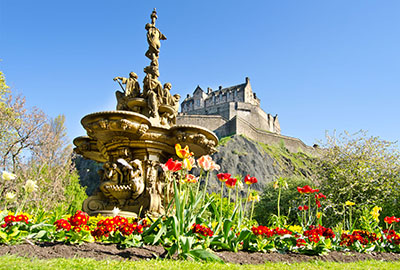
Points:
[[319, 65]]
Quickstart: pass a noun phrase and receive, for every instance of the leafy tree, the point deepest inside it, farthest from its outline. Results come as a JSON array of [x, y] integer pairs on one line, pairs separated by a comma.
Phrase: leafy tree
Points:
[[34, 146], [362, 169]]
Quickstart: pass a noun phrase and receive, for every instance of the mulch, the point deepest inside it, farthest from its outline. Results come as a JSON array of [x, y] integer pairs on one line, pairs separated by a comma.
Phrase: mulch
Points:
[[99, 251]]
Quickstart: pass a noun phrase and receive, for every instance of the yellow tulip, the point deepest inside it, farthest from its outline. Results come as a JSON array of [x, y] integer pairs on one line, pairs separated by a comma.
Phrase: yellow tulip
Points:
[[375, 212], [182, 153]]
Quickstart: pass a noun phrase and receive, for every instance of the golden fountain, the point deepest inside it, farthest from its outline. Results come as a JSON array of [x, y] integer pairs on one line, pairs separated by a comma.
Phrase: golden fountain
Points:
[[135, 139]]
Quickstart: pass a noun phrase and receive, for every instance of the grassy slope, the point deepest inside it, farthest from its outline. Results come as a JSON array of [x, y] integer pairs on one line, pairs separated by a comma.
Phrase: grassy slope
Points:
[[299, 164], [12, 262]]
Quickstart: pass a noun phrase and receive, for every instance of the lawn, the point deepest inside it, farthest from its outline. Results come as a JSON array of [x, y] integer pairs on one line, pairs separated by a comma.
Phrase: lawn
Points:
[[13, 262]]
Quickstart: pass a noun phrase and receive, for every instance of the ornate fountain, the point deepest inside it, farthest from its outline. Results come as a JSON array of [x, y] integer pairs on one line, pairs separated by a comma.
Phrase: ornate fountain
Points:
[[135, 139]]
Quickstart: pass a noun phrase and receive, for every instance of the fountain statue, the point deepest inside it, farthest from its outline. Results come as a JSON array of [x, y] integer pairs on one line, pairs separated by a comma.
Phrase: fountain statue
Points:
[[136, 138]]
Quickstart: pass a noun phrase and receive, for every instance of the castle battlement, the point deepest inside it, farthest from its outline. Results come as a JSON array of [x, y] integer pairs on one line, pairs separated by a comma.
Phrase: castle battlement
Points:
[[211, 98], [224, 105]]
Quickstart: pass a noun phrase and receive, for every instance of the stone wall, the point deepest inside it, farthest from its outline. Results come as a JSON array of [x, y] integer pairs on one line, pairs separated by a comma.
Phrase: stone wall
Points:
[[294, 145], [237, 125]]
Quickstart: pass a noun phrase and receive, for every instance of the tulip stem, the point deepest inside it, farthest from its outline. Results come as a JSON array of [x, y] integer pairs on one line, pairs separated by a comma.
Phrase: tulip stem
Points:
[[198, 182], [222, 190], [279, 209], [252, 209], [205, 185], [229, 197]]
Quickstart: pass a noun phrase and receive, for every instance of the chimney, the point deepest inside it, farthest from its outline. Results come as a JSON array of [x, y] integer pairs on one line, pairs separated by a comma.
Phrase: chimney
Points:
[[220, 87], [247, 80]]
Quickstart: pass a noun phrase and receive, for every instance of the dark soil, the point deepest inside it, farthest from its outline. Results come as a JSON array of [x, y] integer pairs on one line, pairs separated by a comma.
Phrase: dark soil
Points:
[[99, 251]]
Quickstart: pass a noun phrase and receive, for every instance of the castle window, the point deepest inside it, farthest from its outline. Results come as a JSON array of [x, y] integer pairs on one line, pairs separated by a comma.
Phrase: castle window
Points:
[[213, 99], [198, 103], [227, 96]]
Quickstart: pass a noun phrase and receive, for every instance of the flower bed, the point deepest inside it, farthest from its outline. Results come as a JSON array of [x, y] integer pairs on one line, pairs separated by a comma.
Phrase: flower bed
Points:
[[197, 223]]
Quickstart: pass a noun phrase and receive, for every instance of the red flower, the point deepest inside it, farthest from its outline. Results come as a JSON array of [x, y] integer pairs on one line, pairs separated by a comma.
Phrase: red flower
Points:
[[62, 224], [223, 176], [202, 230], [250, 180], [306, 189], [21, 217], [300, 242], [231, 182], [303, 207], [172, 165], [390, 220], [318, 203], [320, 196], [9, 219], [190, 178], [79, 218]]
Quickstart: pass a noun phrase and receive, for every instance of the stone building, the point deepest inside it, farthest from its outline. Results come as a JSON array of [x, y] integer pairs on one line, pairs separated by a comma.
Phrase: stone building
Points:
[[235, 110]]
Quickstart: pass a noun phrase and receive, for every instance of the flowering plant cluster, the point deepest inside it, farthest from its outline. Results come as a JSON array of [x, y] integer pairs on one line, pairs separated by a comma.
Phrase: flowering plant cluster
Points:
[[362, 236], [202, 230], [392, 237], [264, 231], [10, 219], [108, 226], [77, 222], [315, 232]]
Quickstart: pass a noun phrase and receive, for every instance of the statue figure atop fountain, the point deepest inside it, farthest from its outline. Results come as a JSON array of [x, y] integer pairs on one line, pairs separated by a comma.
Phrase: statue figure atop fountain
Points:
[[156, 101]]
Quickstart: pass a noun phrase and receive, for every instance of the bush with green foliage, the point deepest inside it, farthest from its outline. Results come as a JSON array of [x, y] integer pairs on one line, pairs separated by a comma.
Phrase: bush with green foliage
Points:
[[361, 169]]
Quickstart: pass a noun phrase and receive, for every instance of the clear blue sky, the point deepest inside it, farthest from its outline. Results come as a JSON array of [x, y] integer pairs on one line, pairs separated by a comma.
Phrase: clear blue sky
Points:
[[319, 65]]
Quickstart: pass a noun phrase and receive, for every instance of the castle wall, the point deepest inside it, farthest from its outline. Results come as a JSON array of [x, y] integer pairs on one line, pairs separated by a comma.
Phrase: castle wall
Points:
[[226, 110], [294, 145], [237, 125], [214, 123]]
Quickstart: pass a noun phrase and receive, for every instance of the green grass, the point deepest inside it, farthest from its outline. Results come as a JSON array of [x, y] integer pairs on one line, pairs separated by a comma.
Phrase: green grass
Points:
[[299, 162], [13, 262], [224, 140]]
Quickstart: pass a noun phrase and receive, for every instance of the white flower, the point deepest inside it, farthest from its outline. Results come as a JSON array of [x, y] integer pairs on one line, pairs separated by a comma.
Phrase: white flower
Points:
[[115, 211], [30, 186], [10, 197], [239, 184], [8, 176]]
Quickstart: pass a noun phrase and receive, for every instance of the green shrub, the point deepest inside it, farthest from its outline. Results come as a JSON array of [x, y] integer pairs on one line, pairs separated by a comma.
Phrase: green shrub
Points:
[[361, 169]]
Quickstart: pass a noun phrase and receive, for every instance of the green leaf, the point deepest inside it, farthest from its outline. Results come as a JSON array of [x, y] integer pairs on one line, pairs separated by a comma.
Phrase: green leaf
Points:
[[243, 235], [171, 250], [41, 234], [220, 245], [162, 230], [227, 227], [205, 255]]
